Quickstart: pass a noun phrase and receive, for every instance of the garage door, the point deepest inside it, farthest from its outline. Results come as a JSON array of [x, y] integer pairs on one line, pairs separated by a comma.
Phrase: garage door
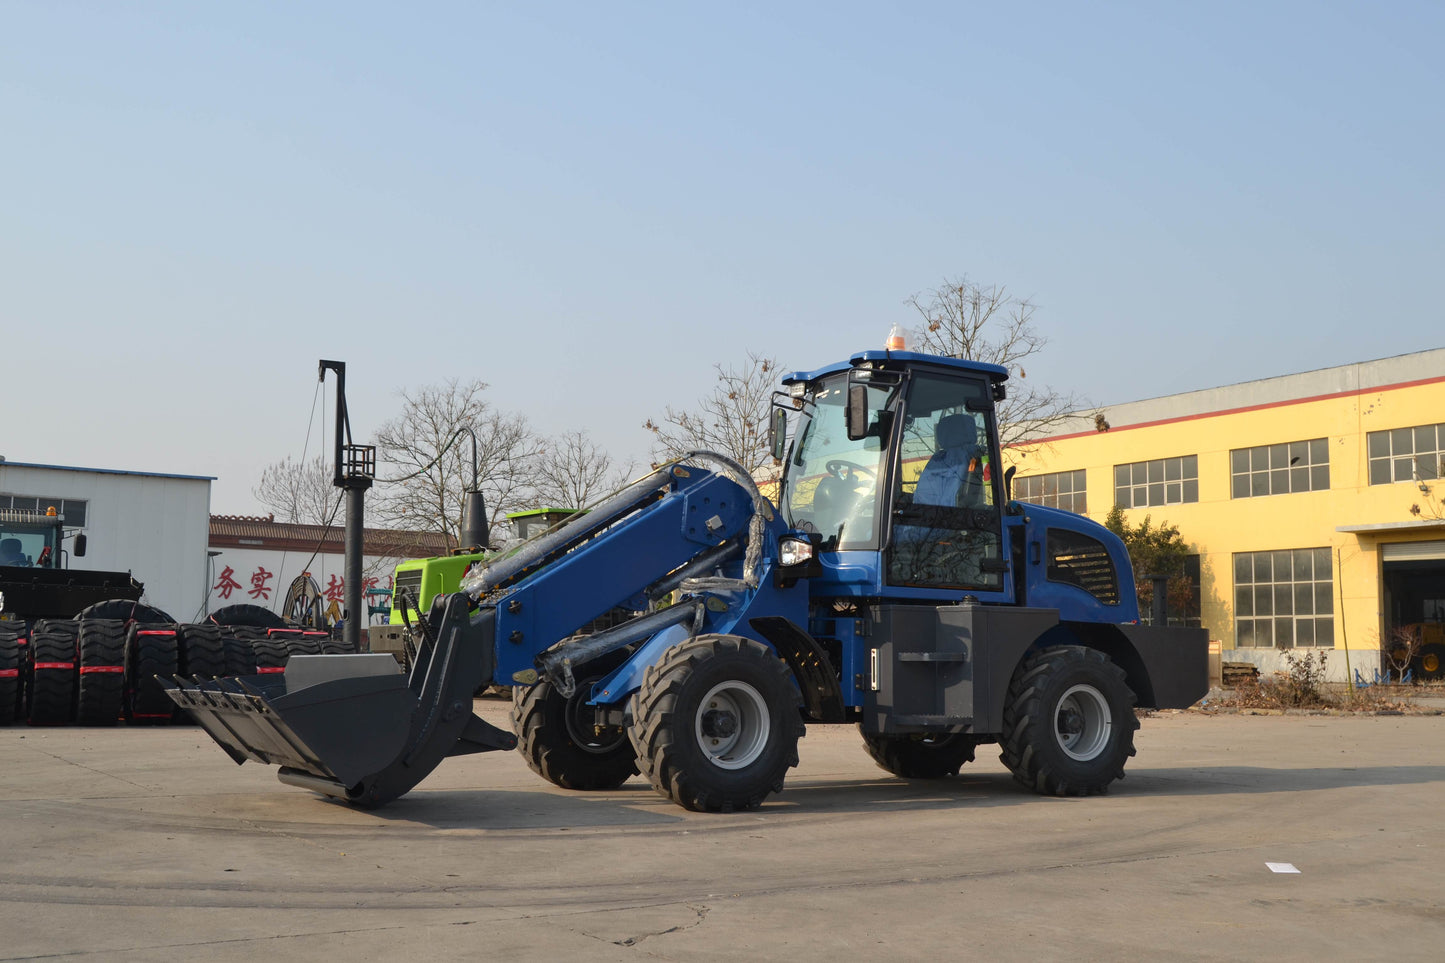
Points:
[[1414, 551]]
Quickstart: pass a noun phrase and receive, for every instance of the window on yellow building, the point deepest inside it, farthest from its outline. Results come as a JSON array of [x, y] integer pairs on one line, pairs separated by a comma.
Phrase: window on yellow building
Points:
[[1284, 599], [1298, 466], [1060, 489], [1164, 481], [1406, 454]]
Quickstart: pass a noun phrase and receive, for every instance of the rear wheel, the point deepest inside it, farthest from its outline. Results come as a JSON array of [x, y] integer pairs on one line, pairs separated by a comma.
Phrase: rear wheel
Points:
[[1068, 723], [922, 756], [1432, 662], [560, 739], [716, 724]]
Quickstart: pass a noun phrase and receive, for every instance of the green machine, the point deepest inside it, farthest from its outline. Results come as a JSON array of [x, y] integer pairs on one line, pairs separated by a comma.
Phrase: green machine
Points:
[[417, 581]]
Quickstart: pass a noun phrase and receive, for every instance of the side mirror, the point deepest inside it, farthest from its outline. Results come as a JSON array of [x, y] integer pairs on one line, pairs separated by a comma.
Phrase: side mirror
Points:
[[778, 433], [78, 548], [857, 413]]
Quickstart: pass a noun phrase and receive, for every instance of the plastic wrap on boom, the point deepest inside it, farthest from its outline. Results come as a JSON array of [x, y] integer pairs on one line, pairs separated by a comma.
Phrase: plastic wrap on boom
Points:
[[537, 551], [578, 528]]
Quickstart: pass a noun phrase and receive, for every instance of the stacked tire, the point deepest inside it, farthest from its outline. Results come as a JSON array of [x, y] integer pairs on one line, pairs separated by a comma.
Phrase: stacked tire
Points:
[[14, 639], [101, 667], [151, 649], [100, 694], [237, 646], [53, 656]]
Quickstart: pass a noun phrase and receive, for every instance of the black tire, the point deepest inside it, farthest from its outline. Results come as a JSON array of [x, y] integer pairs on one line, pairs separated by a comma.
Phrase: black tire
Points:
[[1068, 724], [1432, 662], [716, 724], [271, 654], [921, 756], [244, 613], [298, 641], [554, 737], [333, 646], [199, 651], [240, 655], [101, 692], [52, 672], [150, 650], [10, 659], [123, 610]]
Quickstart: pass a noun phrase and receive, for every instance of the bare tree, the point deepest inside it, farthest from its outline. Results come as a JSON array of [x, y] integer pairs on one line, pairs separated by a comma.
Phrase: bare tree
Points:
[[732, 420], [430, 466], [573, 472], [962, 319], [298, 491]]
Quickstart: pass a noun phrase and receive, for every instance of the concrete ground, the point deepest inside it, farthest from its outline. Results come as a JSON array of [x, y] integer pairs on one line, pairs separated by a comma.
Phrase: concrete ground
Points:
[[149, 844]]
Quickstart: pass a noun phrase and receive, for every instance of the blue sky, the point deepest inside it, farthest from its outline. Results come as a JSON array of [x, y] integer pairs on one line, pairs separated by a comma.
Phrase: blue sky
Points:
[[588, 205]]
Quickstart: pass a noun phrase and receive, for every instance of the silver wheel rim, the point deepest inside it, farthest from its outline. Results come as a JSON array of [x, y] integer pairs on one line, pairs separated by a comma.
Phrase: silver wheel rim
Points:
[[732, 725], [1083, 723]]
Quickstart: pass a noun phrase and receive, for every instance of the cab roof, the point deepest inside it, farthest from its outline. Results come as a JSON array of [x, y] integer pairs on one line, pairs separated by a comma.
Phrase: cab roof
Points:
[[904, 358]]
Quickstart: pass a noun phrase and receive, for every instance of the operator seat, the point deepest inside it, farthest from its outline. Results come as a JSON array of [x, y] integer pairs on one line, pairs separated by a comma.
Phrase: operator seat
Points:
[[952, 477], [832, 502], [12, 552]]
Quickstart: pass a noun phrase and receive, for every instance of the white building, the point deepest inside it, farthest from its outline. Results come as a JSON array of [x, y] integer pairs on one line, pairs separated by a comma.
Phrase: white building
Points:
[[153, 525], [254, 560]]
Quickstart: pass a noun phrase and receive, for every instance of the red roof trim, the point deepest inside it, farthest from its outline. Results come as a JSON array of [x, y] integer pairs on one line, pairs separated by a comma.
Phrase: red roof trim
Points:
[[1241, 410]]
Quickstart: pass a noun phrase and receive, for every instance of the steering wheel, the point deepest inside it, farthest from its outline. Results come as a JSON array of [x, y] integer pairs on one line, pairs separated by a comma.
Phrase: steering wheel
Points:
[[848, 471]]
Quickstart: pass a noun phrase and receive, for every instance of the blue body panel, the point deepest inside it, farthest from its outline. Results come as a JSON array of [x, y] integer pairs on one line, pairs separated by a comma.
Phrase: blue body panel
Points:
[[1073, 603]]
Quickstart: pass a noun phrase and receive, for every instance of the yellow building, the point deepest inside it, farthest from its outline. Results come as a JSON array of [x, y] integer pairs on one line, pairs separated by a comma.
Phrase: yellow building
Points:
[[1313, 500]]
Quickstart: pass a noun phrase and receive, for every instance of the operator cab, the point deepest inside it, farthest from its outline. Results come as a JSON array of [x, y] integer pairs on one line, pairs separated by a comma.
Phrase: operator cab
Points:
[[897, 453], [29, 540]]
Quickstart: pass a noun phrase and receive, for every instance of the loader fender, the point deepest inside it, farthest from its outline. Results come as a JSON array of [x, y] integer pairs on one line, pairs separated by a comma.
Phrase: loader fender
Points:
[[626, 679]]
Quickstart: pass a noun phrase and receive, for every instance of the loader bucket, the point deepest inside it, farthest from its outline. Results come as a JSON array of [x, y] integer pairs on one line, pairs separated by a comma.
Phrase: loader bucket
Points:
[[353, 726]]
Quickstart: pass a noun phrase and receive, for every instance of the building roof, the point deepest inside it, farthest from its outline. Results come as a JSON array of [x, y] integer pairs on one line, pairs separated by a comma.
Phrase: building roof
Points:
[[1400, 371], [263, 532], [104, 471]]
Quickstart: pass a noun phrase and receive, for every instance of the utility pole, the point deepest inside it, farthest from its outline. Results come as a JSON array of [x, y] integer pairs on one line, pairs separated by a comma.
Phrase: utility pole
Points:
[[355, 471]]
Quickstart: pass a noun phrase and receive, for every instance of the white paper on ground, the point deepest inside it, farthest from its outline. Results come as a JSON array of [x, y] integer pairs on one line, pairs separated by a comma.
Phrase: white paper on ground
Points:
[[1282, 867]]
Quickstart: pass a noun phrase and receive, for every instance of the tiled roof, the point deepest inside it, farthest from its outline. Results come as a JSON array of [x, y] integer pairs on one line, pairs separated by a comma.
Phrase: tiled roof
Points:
[[264, 532]]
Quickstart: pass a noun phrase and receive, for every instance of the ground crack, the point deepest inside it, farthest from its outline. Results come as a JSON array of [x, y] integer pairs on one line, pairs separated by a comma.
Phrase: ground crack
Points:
[[701, 912]]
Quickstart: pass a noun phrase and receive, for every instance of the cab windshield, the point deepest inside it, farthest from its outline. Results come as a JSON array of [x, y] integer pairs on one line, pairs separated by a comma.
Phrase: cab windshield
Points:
[[830, 483], [26, 545]]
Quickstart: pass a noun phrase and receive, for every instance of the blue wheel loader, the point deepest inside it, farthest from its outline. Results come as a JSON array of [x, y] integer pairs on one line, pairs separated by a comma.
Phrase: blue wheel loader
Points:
[[689, 629]]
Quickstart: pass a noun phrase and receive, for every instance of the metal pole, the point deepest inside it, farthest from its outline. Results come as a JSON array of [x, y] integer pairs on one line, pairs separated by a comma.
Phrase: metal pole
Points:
[[355, 612]]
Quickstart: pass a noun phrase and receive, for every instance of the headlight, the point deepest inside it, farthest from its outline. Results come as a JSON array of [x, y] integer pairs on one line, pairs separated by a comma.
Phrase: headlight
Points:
[[794, 551]]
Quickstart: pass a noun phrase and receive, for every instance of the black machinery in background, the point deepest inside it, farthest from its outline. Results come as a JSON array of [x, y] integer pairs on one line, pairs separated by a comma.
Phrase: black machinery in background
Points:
[[355, 472]]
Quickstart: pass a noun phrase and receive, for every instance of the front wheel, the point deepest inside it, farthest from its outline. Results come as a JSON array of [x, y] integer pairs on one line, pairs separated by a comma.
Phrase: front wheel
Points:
[[561, 740], [716, 724], [1069, 722]]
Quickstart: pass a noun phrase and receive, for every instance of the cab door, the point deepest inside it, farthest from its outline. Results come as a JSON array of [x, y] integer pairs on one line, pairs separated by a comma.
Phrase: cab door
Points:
[[946, 524]]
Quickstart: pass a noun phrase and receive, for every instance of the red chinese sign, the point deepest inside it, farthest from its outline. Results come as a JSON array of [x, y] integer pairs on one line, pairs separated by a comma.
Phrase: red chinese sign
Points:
[[227, 584], [259, 588]]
